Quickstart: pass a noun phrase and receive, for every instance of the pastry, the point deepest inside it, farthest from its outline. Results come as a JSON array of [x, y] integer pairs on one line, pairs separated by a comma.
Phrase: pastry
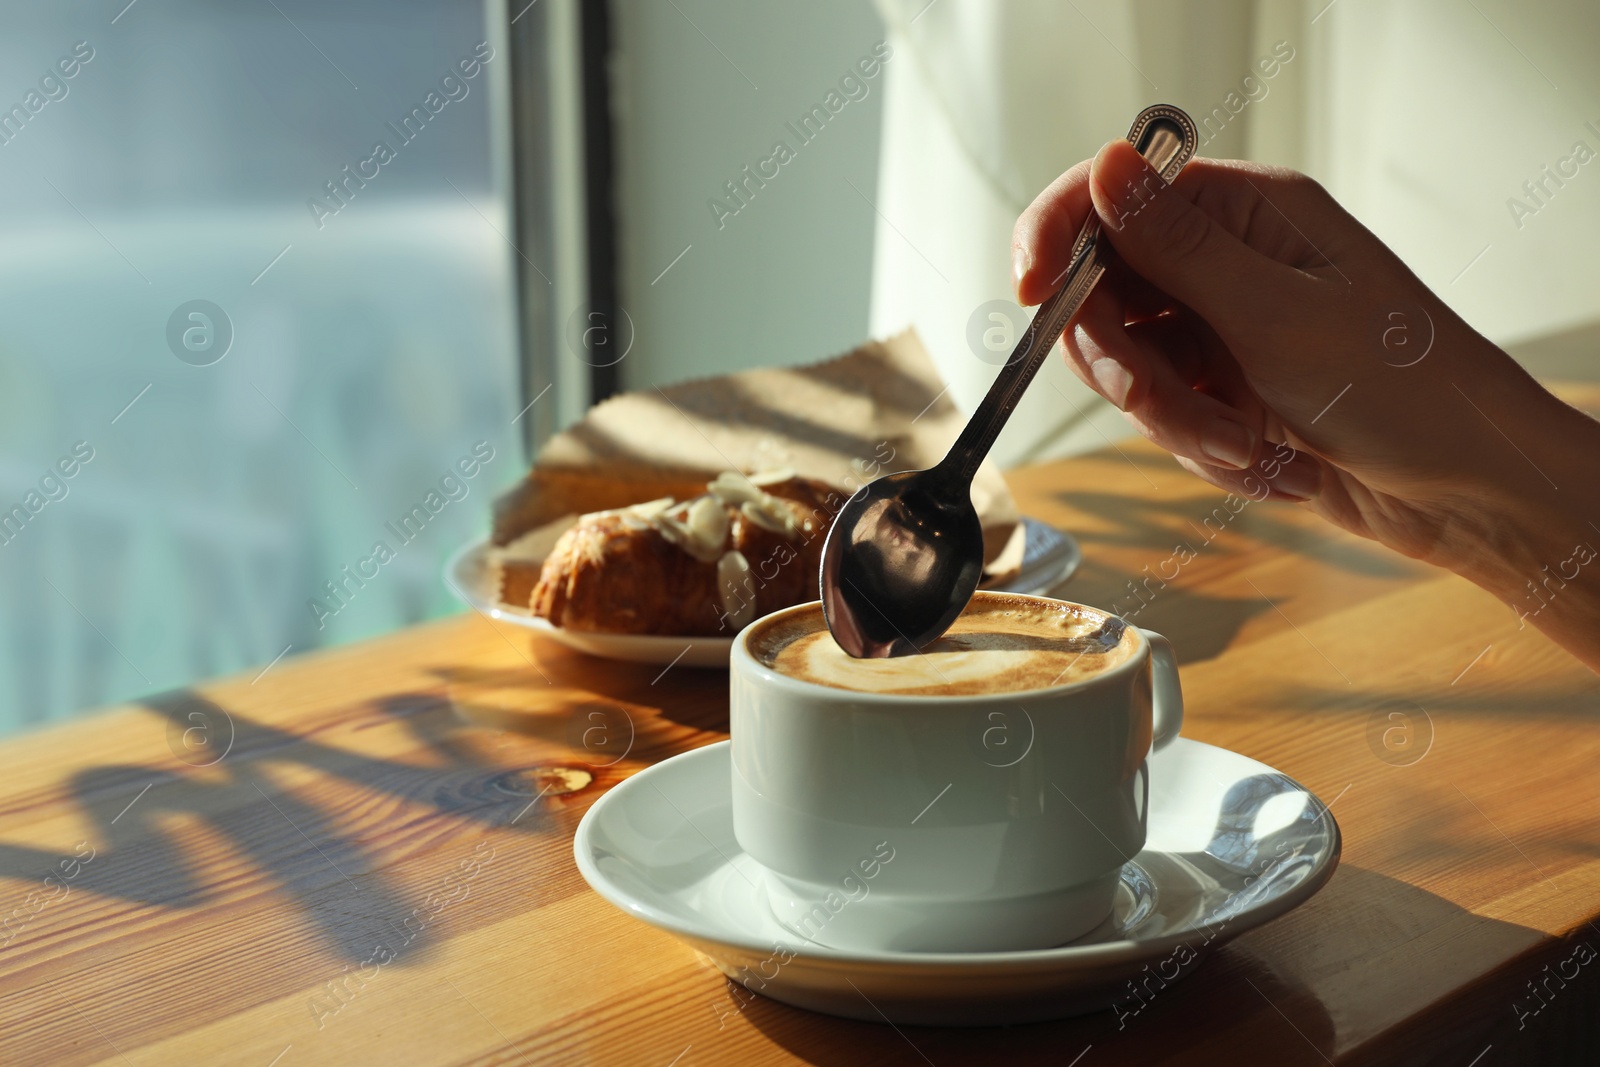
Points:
[[705, 566]]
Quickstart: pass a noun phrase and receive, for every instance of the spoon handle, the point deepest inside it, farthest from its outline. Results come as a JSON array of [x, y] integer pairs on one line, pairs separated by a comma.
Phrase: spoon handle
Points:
[[1165, 136]]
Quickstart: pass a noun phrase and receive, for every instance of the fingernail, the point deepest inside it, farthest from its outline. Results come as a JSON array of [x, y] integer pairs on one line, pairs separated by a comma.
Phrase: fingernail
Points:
[[1301, 478], [1021, 263], [1229, 443], [1105, 205], [1121, 187], [1113, 379]]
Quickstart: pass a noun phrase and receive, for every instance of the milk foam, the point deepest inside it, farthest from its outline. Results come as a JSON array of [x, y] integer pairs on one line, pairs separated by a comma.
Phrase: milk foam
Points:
[[999, 645]]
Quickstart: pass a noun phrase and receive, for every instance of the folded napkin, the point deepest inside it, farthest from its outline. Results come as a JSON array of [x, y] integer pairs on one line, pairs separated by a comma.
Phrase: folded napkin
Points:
[[876, 410]]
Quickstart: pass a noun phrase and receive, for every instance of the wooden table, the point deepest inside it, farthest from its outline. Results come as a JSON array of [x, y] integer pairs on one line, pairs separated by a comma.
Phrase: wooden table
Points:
[[347, 859]]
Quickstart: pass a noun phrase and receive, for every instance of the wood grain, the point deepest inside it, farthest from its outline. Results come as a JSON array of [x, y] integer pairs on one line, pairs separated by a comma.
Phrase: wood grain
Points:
[[370, 874]]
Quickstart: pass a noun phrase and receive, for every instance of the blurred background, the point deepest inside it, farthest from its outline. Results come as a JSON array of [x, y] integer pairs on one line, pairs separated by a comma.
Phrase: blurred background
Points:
[[274, 340]]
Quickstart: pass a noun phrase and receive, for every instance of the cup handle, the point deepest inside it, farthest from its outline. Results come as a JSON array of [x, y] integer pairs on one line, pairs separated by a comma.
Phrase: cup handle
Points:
[[1168, 695]]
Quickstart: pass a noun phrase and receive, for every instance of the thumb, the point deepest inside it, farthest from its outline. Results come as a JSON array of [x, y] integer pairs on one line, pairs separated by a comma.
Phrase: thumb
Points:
[[1172, 243]]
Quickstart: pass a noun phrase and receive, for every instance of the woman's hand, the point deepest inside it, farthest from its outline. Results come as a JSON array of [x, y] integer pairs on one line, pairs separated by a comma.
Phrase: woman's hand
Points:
[[1256, 330]]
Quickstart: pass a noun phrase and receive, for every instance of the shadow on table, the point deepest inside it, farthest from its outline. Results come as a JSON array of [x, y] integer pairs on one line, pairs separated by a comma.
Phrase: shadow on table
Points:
[[1200, 626], [1365, 937], [1158, 526], [1558, 699], [301, 836], [533, 700], [557, 711]]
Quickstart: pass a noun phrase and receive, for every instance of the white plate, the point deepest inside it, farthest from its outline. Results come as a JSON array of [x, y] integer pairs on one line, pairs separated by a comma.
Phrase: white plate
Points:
[[1049, 557], [1231, 844], [467, 574]]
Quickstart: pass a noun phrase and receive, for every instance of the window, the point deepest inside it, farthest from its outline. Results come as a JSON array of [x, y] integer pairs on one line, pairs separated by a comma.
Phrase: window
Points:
[[242, 345]]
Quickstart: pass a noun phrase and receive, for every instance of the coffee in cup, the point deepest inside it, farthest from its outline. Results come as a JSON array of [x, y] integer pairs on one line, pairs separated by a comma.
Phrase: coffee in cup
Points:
[[1000, 644]]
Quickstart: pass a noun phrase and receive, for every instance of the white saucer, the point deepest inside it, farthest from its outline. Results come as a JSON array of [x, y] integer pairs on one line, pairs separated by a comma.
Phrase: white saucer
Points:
[[1049, 557], [1231, 844]]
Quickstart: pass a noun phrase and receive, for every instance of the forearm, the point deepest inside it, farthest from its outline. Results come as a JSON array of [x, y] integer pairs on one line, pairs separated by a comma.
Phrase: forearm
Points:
[[1534, 540]]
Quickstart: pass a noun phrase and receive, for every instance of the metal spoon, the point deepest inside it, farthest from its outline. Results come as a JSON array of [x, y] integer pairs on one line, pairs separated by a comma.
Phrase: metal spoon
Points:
[[905, 553]]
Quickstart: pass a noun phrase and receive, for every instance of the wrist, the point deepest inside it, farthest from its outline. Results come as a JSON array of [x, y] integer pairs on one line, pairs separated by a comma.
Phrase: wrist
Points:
[[1525, 526]]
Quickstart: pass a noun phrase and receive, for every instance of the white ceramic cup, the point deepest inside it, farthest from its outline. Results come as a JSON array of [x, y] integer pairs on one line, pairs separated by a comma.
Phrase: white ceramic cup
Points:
[[995, 822]]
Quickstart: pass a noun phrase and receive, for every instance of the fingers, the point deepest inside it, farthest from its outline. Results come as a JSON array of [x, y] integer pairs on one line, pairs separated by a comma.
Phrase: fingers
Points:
[[1120, 361], [1280, 213], [1041, 241], [1177, 246], [1284, 474], [1139, 299], [1150, 370]]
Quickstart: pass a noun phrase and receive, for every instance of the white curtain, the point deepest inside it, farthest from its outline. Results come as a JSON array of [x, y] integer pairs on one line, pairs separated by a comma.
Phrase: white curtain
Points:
[[1423, 118]]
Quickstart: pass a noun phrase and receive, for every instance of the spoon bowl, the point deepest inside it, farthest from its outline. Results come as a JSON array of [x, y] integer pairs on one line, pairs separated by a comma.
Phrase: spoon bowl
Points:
[[901, 560]]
